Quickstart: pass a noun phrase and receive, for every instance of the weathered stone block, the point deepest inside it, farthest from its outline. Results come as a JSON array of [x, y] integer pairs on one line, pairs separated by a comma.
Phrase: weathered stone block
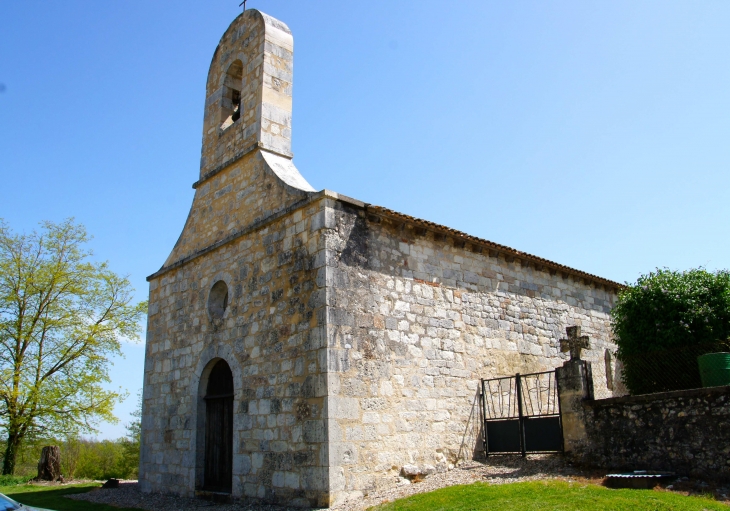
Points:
[[343, 408]]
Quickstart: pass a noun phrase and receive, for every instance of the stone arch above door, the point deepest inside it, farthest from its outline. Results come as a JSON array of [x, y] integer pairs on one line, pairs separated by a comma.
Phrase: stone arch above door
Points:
[[206, 362]]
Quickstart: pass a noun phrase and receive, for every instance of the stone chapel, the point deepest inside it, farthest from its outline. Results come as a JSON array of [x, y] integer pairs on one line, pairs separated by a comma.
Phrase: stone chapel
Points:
[[303, 346]]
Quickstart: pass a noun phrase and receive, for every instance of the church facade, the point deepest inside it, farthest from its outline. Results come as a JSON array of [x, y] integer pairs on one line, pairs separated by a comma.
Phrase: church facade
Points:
[[303, 346]]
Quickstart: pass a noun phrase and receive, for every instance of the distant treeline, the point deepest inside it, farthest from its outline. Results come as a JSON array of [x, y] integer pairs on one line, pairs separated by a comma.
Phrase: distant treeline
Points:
[[83, 458]]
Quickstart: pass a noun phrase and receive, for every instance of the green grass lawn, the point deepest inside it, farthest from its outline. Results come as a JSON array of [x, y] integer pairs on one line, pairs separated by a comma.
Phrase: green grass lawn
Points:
[[552, 495], [52, 497], [558, 495]]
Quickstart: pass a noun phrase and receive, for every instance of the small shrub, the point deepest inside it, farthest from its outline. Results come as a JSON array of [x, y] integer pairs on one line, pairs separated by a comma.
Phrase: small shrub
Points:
[[13, 480]]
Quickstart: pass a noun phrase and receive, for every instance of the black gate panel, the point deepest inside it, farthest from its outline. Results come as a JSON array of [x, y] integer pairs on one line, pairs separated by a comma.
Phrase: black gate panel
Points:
[[503, 436], [543, 434], [522, 414]]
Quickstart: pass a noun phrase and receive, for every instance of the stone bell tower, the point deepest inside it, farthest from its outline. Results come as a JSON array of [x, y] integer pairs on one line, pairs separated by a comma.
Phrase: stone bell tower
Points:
[[249, 92], [246, 135]]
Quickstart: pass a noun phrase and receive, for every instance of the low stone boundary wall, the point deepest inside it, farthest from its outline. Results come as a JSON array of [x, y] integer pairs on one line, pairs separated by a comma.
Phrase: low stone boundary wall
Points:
[[687, 432]]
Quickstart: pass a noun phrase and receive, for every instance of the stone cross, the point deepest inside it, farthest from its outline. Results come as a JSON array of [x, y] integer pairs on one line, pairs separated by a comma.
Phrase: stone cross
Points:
[[574, 343]]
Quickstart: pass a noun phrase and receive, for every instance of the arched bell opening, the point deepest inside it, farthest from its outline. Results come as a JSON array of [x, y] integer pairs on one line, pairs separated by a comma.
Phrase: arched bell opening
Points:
[[231, 101], [218, 430]]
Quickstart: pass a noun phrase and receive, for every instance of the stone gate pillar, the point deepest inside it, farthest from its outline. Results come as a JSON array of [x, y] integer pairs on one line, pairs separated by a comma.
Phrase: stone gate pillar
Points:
[[575, 385]]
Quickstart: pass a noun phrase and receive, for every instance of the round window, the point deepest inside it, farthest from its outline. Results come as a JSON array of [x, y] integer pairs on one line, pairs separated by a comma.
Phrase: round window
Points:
[[218, 300]]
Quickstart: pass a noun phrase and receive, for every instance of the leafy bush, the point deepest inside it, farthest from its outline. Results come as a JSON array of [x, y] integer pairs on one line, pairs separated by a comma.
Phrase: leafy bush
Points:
[[667, 319], [98, 459]]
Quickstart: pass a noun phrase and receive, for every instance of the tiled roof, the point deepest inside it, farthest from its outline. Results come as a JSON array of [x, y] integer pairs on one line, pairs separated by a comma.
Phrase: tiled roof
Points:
[[492, 247]]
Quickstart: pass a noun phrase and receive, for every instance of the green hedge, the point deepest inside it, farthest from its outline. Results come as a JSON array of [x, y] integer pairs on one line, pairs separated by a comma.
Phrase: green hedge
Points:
[[665, 321]]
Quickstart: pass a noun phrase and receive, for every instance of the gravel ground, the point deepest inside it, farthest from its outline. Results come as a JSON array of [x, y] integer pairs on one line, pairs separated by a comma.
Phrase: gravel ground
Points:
[[496, 470]]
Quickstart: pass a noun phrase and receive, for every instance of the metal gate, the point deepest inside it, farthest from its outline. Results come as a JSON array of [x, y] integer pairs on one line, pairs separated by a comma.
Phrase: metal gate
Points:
[[522, 414]]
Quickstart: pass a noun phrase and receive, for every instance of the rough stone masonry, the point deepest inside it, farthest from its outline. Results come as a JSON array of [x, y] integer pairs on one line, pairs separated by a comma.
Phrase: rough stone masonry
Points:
[[354, 336]]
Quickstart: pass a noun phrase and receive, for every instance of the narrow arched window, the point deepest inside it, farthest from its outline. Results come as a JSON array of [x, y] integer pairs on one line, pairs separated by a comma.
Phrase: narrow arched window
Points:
[[231, 101]]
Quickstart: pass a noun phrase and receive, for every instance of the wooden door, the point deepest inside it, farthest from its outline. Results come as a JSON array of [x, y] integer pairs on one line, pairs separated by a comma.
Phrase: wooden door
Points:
[[219, 429]]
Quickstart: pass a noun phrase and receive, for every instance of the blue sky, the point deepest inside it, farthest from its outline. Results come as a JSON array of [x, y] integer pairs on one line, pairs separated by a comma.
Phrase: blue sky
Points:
[[591, 133]]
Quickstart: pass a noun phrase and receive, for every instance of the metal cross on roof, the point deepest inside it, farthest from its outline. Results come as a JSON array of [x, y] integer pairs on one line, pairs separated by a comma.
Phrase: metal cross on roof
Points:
[[574, 343], [243, 4]]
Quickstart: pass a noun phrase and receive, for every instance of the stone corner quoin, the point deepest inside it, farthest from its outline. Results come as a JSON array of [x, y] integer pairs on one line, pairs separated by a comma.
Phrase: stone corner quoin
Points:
[[354, 336]]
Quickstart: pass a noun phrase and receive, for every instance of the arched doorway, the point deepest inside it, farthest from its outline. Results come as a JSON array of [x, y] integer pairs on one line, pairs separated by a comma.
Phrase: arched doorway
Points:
[[217, 475]]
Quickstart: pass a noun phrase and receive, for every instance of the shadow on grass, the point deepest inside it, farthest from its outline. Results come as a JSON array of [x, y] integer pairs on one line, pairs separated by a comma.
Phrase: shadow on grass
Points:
[[53, 497]]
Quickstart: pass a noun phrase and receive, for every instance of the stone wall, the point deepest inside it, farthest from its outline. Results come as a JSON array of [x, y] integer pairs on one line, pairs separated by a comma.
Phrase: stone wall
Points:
[[272, 336], [415, 317], [687, 432]]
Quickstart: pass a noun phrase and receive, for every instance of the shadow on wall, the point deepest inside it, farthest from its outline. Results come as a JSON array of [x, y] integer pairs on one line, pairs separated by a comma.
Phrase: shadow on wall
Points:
[[355, 235], [473, 438]]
